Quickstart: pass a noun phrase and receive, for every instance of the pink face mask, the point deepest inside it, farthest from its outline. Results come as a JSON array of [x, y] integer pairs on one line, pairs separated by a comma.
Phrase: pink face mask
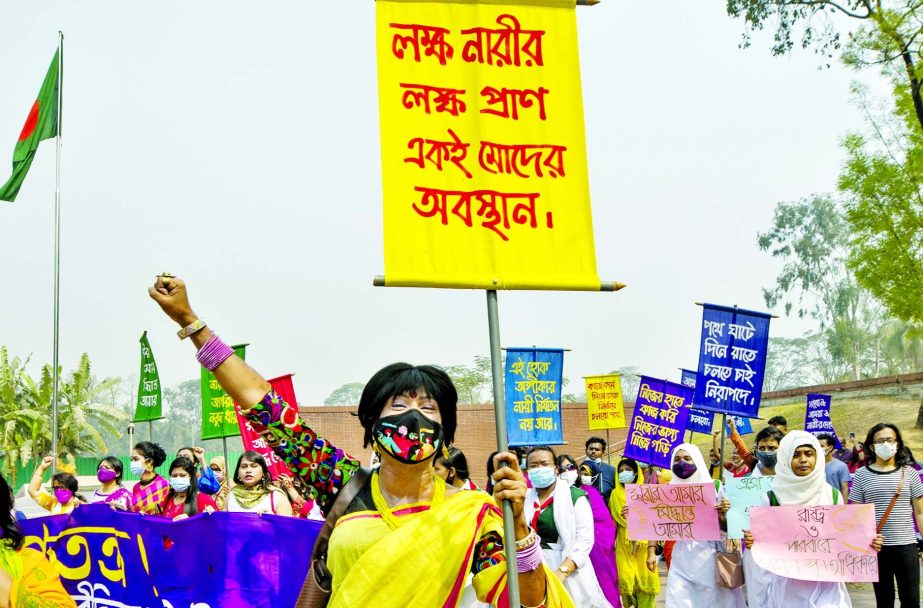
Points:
[[63, 496], [106, 475]]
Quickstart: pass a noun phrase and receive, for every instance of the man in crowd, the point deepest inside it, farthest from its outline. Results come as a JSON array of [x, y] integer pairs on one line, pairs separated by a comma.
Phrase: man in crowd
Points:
[[837, 472], [780, 423], [605, 481]]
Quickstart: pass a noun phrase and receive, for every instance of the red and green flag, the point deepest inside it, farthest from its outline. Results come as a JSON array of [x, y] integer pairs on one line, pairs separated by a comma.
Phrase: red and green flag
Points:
[[41, 124]]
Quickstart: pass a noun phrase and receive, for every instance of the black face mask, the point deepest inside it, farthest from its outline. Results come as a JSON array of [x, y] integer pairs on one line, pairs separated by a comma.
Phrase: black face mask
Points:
[[767, 459], [409, 437]]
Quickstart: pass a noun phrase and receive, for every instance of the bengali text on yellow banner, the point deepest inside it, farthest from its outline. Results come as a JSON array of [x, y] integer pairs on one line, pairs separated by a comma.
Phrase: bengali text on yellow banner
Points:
[[484, 169], [605, 407]]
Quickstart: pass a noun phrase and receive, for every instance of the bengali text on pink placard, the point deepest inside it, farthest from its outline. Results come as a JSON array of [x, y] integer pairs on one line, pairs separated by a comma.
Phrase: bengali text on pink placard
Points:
[[672, 512], [829, 543]]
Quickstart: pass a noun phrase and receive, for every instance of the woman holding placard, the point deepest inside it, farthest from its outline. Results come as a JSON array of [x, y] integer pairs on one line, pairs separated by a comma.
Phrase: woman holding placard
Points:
[[893, 486], [801, 481], [691, 581], [639, 582]]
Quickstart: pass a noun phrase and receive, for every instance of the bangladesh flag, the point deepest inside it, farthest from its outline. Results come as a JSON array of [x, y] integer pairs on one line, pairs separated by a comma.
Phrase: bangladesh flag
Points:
[[42, 123]]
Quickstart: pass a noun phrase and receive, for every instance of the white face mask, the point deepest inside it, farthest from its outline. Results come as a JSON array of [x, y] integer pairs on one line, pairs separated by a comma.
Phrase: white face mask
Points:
[[568, 476], [885, 451], [586, 480]]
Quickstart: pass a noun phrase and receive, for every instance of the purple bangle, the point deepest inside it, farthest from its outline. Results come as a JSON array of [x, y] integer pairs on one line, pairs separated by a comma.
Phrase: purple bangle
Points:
[[213, 353], [530, 558]]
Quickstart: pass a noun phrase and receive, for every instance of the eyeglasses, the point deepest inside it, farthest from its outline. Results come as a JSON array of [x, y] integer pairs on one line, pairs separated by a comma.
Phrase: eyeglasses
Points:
[[889, 441], [568, 467]]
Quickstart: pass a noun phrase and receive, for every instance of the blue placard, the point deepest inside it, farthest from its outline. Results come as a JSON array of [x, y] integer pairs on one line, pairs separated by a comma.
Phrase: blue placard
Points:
[[744, 426], [700, 421], [732, 360], [533, 396], [817, 418]]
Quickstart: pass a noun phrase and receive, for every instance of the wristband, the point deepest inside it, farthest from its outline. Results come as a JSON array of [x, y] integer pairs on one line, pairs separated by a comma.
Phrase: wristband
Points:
[[530, 558], [190, 329], [213, 353]]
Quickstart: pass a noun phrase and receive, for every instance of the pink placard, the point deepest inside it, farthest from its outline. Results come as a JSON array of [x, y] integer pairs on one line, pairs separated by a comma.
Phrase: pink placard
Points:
[[816, 543], [672, 512]]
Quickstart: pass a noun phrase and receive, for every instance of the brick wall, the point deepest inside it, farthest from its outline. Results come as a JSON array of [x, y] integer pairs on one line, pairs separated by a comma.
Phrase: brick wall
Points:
[[476, 435]]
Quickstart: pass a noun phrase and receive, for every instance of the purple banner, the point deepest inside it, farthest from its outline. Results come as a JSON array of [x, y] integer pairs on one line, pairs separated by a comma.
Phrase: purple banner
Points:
[[817, 418], [658, 422], [125, 560]]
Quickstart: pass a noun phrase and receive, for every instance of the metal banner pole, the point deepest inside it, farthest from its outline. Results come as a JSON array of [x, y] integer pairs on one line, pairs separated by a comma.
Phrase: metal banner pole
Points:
[[509, 531], [224, 445], [57, 265]]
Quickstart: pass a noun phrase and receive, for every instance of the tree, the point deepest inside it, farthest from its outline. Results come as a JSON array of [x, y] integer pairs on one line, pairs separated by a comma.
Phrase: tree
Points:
[[788, 364], [348, 394], [474, 384], [881, 180], [887, 36], [811, 236]]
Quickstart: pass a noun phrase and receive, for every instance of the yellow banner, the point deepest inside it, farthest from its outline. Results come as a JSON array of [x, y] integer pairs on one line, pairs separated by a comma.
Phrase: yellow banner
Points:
[[604, 404], [484, 170]]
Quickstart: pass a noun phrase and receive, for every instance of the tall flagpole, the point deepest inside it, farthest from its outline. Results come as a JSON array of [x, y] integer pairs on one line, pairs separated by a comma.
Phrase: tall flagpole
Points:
[[57, 259]]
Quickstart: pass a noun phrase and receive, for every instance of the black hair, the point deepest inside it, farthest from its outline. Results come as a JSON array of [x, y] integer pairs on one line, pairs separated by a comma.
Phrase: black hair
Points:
[[778, 420], [770, 432], [116, 465], [66, 481], [901, 458], [9, 527], [193, 459], [399, 378], [599, 440], [191, 504], [830, 439], [257, 458], [541, 448], [152, 452], [490, 473], [634, 467], [455, 460]]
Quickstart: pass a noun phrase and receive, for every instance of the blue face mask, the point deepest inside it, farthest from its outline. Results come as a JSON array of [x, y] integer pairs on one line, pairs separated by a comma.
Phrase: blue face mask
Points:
[[179, 484], [542, 477], [627, 477]]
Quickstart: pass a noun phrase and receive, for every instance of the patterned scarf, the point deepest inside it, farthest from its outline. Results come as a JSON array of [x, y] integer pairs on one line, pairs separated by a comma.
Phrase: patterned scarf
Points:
[[249, 497]]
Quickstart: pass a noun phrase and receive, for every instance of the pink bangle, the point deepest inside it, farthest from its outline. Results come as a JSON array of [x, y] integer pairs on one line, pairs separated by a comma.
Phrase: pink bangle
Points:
[[213, 353], [530, 558]]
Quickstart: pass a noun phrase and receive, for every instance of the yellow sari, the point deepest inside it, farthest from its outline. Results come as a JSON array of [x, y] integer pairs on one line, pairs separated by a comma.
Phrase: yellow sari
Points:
[[36, 583], [636, 582], [420, 554]]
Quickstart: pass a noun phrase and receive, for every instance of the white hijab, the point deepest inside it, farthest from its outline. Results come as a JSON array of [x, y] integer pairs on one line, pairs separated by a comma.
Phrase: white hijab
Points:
[[701, 469], [812, 489]]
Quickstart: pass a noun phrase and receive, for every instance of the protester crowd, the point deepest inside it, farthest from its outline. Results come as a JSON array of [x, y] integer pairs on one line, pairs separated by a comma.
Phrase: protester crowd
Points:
[[417, 528]]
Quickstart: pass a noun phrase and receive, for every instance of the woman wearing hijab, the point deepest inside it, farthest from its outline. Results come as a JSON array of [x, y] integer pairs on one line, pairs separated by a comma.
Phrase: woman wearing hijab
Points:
[[801, 480], [691, 579], [219, 469], [563, 519], [603, 553], [639, 582]]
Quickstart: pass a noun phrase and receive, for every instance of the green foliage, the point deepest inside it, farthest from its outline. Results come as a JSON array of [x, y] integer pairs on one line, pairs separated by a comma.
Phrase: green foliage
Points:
[[811, 237], [886, 34], [881, 182], [348, 394], [474, 383], [26, 408]]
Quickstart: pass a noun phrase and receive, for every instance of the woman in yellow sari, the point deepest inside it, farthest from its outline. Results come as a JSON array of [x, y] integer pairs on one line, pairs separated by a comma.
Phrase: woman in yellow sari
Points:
[[27, 579], [406, 539], [639, 581]]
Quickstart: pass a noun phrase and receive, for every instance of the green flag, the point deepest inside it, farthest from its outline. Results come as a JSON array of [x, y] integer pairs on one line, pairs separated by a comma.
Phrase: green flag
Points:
[[219, 418], [150, 400], [42, 123]]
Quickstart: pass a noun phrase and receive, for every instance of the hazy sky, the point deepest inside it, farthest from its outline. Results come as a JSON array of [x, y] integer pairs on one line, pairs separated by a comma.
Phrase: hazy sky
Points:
[[236, 144]]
